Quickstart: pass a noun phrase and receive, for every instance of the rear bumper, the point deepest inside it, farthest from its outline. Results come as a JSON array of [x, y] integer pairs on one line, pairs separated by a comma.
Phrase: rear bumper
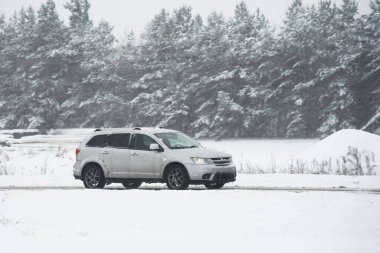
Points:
[[77, 170]]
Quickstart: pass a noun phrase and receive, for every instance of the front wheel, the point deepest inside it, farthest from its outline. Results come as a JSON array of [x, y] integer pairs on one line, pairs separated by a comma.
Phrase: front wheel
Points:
[[131, 185], [94, 177], [177, 178], [214, 185]]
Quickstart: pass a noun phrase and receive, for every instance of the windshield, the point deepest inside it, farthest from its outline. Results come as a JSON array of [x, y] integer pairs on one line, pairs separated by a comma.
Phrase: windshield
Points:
[[176, 140]]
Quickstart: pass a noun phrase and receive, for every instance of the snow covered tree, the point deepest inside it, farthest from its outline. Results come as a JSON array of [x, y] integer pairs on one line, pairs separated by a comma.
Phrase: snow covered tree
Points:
[[235, 77], [367, 90], [338, 75], [50, 69]]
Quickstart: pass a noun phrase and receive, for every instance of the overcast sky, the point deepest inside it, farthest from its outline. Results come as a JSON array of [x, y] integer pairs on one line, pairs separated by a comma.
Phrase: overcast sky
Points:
[[135, 14]]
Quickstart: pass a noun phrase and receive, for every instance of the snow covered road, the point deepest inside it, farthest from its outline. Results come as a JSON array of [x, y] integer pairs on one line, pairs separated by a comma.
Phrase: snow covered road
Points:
[[188, 221], [157, 187]]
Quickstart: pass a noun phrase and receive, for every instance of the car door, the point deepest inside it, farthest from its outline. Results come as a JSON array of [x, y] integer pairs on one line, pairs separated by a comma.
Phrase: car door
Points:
[[97, 148], [144, 163], [119, 153]]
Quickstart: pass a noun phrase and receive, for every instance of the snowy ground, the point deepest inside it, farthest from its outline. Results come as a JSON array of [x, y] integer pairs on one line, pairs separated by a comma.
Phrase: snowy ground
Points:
[[47, 160], [43, 209], [188, 221]]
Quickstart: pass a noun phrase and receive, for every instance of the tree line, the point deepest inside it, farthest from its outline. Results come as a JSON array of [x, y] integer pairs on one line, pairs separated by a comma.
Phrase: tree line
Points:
[[316, 73]]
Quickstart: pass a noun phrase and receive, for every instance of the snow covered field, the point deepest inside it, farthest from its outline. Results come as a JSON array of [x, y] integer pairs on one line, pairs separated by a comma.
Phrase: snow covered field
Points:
[[43, 209], [188, 221], [47, 160], [54, 153]]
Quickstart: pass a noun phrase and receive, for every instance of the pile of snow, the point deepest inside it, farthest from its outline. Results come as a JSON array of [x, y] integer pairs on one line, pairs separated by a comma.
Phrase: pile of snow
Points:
[[335, 146]]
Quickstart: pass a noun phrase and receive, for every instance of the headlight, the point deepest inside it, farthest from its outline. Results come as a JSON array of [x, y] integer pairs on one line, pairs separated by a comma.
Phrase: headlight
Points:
[[201, 161]]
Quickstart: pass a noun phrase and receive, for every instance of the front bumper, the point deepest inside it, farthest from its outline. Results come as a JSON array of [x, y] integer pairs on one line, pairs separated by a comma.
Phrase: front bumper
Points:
[[207, 173]]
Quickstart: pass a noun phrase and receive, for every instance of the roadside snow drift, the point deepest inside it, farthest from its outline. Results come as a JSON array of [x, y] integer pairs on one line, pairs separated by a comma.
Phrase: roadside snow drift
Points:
[[336, 145], [356, 151]]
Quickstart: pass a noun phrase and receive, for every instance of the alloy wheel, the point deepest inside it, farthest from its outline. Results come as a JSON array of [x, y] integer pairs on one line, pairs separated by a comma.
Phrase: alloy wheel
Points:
[[92, 177], [177, 178]]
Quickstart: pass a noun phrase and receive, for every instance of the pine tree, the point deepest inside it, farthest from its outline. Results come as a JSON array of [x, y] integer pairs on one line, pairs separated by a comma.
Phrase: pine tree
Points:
[[368, 88], [338, 75], [49, 69]]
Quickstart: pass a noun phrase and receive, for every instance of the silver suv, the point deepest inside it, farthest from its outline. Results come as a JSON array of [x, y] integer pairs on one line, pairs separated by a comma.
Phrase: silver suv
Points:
[[134, 155]]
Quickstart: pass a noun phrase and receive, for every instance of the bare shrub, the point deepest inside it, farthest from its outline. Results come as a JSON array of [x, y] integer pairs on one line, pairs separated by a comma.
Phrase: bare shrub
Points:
[[3, 163], [370, 166], [354, 163], [273, 164]]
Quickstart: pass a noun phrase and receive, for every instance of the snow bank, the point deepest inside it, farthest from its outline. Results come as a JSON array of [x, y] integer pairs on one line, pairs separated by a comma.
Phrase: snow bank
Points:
[[337, 145]]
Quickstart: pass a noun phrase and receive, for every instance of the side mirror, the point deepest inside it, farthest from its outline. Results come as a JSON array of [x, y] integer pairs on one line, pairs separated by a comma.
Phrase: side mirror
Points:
[[154, 146]]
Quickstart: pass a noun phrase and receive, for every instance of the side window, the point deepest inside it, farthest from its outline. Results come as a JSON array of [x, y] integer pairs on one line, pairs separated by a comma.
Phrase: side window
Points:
[[119, 140], [142, 142], [98, 141]]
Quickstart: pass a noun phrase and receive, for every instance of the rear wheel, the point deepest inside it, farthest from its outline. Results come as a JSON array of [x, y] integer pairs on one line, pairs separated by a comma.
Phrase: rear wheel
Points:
[[93, 177], [214, 185], [131, 185], [177, 178]]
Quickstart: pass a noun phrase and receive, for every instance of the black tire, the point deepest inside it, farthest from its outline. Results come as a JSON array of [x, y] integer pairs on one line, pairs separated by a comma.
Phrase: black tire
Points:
[[214, 185], [177, 178], [131, 185], [93, 177]]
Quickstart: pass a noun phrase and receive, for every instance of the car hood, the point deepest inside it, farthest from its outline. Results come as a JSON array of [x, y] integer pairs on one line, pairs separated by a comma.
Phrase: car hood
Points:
[[198, 152]]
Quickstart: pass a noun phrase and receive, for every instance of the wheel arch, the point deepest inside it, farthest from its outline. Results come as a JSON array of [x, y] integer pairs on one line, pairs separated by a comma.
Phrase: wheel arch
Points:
[[87, 164], [171, 164]]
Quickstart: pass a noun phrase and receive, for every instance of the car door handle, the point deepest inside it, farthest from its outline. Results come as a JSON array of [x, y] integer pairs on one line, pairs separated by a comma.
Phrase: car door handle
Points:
[[105, 152], [134, 154]]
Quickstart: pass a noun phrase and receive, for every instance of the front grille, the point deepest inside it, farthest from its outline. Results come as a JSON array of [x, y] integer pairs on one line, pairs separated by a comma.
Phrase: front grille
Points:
[[224, 176], [221, 161]]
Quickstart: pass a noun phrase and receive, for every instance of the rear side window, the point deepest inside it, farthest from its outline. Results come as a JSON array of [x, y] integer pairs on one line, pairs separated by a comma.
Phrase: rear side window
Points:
[[142, 142], [119, 140], [98, 141]]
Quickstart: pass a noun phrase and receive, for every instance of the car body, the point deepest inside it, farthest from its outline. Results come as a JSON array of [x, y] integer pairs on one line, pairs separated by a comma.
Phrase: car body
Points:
[[135, 155]]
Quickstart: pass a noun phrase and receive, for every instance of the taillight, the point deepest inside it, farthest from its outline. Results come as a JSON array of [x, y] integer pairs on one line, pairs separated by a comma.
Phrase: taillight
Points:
[[77, 150]]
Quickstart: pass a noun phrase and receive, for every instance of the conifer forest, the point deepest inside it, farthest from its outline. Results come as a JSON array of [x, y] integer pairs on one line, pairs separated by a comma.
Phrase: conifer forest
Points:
[[216, 76]]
